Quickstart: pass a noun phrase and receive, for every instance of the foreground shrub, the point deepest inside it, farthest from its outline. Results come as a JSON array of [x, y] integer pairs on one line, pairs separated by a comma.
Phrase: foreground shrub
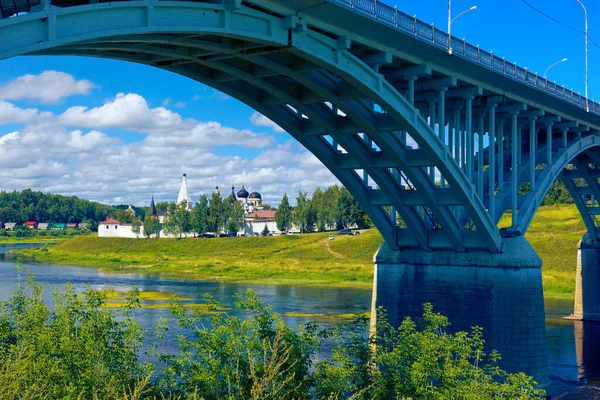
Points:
[[81, 350], [77, 350]]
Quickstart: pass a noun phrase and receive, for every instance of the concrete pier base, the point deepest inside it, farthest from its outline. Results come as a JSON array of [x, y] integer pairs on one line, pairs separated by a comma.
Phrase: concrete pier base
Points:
[[502, 293], [587, 282]]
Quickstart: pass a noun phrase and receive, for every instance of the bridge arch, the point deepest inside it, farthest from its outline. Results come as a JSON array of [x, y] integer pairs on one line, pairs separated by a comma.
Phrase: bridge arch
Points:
[[328, 95]]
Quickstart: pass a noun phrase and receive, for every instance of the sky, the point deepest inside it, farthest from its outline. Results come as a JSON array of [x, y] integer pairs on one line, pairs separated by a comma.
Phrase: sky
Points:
[[117, 132]]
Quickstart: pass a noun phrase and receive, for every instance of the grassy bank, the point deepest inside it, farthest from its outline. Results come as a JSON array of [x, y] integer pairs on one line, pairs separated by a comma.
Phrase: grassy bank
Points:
[[301, 259], [554, 234]]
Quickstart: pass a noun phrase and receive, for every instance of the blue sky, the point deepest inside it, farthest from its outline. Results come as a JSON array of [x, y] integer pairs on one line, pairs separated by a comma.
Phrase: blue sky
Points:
[[90, 155]]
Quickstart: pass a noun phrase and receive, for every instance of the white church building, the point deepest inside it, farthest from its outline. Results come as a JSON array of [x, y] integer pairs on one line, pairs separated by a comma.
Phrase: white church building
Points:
[[255, 217]]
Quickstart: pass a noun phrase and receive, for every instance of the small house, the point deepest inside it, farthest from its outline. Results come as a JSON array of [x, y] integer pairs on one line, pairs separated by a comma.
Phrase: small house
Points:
[[10, 226], [30, 224], [42, 226], [58, 226], [83, 225], [71, 225]]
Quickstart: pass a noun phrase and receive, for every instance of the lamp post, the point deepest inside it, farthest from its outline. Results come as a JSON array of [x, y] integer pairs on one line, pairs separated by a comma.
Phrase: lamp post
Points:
[[554, 65], [451, 21], [587, 102]]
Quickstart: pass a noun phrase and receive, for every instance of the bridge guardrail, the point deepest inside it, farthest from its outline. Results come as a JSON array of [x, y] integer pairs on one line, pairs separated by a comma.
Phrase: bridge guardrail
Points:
[[429, 33]]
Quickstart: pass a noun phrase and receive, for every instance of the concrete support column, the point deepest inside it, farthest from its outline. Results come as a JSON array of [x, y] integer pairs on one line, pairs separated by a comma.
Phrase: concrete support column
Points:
[[532, 146], [431, 103], [480, 133], [564, 138], [458, 136], [334, 143], [469, 137], [502, 293], [587, 281], [500, 155], [410, 95], [492, 151], [549, 144], [515, 169]]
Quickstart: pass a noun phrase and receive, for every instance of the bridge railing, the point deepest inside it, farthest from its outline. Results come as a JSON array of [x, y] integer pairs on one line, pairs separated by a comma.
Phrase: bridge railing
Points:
[[430, 34]]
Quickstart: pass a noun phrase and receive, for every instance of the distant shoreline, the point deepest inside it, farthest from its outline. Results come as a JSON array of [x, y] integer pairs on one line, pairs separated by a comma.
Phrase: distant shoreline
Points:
[[310, 259]]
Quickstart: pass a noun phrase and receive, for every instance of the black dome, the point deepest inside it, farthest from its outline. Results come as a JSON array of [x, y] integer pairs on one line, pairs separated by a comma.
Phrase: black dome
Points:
[[255, 195], [243, 193]]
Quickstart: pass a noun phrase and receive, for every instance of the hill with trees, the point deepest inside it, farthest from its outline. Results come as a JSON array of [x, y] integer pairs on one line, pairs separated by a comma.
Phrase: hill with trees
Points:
[[28, 205]]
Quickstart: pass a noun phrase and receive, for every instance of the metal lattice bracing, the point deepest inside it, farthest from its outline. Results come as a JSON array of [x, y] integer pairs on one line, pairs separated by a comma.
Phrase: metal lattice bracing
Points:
[[409, 137]]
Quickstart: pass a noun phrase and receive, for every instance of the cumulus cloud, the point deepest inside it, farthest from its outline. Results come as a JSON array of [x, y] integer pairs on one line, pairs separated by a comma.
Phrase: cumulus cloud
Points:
[[11, 114], [49, 87], [72, 155], [127, 111], [257, 119]]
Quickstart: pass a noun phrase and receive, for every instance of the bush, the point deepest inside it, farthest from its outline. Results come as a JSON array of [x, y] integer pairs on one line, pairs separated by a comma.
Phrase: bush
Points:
[[82, 350], [78, 350]]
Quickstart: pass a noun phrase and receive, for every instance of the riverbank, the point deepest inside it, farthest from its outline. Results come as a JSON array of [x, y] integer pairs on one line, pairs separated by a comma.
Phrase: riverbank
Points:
[[310, 259], [31, 240]]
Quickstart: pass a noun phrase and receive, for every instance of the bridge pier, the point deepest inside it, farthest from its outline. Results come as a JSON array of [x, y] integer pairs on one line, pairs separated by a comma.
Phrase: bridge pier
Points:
[[587, 284], [502, 293]]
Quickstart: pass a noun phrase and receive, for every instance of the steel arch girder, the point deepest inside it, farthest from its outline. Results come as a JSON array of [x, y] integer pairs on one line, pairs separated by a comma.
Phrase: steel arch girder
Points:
[[549, 174], [451, 228], [587, 219], [374, 86], [41, 31]]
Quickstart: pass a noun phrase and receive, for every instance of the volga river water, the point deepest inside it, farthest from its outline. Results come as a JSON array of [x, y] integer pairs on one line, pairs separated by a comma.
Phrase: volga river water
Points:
[[573, 347]]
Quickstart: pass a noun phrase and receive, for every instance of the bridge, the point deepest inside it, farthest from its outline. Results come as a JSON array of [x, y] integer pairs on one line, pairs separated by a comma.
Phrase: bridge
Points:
[[435, 146]]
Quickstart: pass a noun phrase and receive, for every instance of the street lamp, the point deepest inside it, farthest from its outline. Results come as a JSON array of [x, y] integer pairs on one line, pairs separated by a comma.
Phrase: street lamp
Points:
[[451, 21], [587, 104], [554, 65]]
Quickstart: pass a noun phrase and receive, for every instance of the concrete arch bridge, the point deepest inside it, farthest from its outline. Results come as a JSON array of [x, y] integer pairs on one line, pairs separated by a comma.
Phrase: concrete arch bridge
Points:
[[448, 143]]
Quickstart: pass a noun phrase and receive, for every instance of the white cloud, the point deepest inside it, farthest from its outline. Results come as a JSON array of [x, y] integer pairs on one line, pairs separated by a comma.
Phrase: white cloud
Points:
[[257, 119], [11, 114], [127, 111], [69, 154], [180, 104], [49, 87]]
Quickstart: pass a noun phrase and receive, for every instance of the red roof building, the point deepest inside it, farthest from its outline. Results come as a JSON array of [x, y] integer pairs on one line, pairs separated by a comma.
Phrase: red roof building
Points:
[[110, 221], [261, 215], [30, 224]]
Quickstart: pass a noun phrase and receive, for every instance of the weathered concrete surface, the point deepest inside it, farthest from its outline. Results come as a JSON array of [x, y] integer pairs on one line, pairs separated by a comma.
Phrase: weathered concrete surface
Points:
[[587, 282], [502, 293]]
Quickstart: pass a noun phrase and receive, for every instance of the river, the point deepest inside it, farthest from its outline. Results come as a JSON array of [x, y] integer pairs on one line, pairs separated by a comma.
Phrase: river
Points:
[[573, 347]]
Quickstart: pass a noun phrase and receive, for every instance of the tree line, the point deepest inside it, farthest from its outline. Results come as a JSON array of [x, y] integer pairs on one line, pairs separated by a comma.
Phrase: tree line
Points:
[[331, 209], [28, 205]]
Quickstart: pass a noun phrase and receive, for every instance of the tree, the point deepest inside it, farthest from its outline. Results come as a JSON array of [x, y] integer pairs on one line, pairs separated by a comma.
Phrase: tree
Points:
[[181, 219], [215, 213], [235, 221], [136, 226], [320, 205], [265, 230], [170, 221], [283, 215], [305, 216], [199, 216], [151, 225]]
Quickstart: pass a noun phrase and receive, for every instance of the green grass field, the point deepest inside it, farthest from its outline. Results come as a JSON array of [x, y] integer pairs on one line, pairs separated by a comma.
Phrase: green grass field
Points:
[[304, 259], [310, 259]]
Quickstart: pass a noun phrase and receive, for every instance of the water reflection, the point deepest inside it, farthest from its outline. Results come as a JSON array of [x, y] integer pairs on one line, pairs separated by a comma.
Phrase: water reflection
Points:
[[573, 347]]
